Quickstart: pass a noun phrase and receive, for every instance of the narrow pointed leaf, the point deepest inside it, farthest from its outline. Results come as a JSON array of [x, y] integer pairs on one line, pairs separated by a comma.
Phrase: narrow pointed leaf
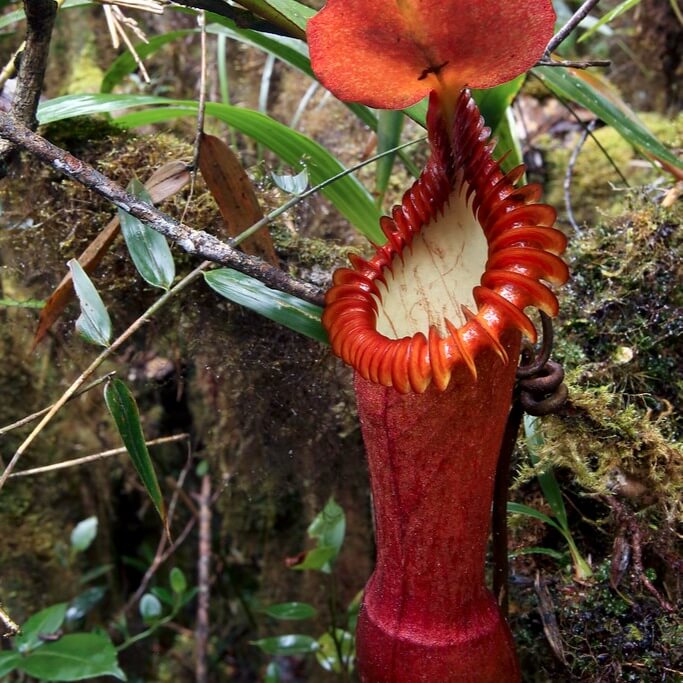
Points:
[[125, 63], [124, 410], [291, 611], [584, 90], [163, 183], [520, 509], [234, 193], [610, 16], [94, 324], [284, 13], [389, 127], [292, 644], [148, 248], [74, 657], [347, 194], [280, 307], [549, 486]]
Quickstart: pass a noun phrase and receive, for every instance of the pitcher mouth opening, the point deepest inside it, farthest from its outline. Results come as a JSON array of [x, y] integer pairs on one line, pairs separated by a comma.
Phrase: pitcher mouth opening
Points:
[[463, 239]]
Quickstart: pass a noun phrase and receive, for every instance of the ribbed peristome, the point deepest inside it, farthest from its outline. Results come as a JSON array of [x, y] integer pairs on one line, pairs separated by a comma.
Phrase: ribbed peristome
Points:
[[462, 188]]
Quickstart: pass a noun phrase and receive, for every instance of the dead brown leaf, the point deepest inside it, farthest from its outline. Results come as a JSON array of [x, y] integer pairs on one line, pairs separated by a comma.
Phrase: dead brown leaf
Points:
[[235, 196]]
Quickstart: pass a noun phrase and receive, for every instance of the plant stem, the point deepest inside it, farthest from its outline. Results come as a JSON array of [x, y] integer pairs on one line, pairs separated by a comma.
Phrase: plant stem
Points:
[[83, 377], [567, 29], [34, 416]]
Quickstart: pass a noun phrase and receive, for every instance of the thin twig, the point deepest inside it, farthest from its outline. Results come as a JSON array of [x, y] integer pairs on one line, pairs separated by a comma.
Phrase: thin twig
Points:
[[573, 22], [201, 111], [574, 64], [567, 184], [163, 540], [203, 582], [192, 241], [9, 626], [85, 375], [34, 416], [40, 19], [96, 456], [583, 125]]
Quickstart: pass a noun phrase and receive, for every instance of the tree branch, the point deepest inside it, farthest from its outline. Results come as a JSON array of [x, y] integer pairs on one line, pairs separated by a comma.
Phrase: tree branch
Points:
[[196, 242], [40, 19]]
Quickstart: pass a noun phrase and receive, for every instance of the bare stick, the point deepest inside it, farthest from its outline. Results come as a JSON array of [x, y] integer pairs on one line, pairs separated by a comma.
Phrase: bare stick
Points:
[[575, 20], [203, 582], [40, 18], [192, 241], [96, 456], [572, 64], [567, 185], [84, 376], [30, 418], [163, 540]]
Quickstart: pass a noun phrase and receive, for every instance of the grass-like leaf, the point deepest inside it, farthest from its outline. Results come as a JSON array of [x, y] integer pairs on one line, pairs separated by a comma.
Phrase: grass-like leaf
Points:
[[579, 89], [287, 611], [148, 248], [347, 194], [292, 644], [124, 410], [94, 324], [280, 307]]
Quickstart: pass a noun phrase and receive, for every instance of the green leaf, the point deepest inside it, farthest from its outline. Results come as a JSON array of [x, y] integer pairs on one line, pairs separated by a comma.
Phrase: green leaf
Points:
[[73, 657], [19, 15], [46, 622], [124, 410], [493, 102], [291, 11], [610, 16], [329, 526], [347, 194], [291, 611], [280, 307], [390, 125], [9, 661], [150, 607], [328, 651], [538, 550], [177, 580], [272, 673], [125, 63], [165, 595], [27, 303], [565, 84], [549, 486], [148, 248], [318, 559], [292, 184], [520, 509], [84, 534], [292, 644], [93, 324], [84, 602]]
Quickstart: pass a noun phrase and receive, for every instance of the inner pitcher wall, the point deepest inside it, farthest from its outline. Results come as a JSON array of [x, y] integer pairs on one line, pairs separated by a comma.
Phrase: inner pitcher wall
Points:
[[435, 275]]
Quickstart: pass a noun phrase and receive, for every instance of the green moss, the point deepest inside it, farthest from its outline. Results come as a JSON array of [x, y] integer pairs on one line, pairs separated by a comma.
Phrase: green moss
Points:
[[597, 190]]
